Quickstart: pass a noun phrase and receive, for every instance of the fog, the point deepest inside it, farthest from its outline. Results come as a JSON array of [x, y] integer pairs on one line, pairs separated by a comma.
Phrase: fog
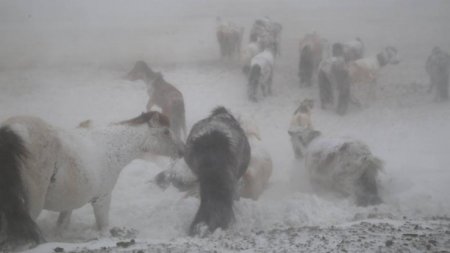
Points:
[[62, 61]]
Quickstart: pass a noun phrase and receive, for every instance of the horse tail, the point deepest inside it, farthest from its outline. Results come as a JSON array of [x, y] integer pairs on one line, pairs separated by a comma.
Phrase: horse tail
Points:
[[306, 65], [215, 164], [325, 89], [13, 198], [253, 81], [341, 75], [368, 191]]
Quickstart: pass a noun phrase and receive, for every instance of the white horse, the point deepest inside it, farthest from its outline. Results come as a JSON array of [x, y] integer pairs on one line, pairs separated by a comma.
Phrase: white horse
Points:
[[341, 166], [43, 167], [253, 48], [363, 74], [261, 74]]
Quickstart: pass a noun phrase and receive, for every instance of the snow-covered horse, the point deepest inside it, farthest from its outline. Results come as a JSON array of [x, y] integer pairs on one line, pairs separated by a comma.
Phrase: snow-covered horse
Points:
[[44, 167], [438, 68], [268, 32], [340, 166], [363, 73], [311, 51], [162, 94], [253, 48], [334, 81], [229, 37], [218, 152], [353, 50], [261, 74]]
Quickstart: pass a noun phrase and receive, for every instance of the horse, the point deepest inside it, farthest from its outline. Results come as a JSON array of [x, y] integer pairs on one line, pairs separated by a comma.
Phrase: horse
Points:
[[162, 94], [333, 77], [252, 49], [251, 185], [261, 74], [300, 119], [437, 68], [341, 166], [363, 73], [353, 50], [229, 37], [311, 51], [259, 171], [268, 32], [218, 153], [44, 167]]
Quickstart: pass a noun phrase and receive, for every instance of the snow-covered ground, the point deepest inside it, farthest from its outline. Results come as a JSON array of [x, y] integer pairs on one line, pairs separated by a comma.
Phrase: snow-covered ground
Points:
[[62, 61]]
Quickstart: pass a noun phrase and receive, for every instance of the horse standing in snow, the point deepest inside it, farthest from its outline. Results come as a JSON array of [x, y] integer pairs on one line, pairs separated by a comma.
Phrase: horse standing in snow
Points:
[[229, 37], [300, 119], [311, 49], [334, 80], [353, 50], [341, 166], [252, 49], [218, 153], [252, 184], [43, 167], [261, 74], [437, 67], [363, 74], [268, 33], [162, 94]]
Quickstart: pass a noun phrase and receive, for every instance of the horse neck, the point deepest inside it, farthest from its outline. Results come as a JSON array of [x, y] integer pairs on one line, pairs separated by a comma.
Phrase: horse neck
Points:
[[123, 144]]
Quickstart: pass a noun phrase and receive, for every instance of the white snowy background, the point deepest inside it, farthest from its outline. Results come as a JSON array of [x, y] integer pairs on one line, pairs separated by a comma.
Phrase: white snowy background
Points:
[[63, 61]]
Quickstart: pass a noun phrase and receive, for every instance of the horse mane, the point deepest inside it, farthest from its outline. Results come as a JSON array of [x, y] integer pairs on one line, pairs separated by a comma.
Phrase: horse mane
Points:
[[219, 110], [145, 117], [141, 66]]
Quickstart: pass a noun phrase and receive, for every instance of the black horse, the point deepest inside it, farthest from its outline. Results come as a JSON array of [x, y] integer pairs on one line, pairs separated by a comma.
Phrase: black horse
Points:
[[218, 153]]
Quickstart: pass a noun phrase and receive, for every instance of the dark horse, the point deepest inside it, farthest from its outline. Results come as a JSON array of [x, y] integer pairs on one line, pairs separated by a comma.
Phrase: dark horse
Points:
[[218, 152], [334, 80]]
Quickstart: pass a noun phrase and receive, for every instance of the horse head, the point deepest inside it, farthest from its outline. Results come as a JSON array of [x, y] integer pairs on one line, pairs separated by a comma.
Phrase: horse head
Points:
[[140, 71], [160, 138], [391, 55]]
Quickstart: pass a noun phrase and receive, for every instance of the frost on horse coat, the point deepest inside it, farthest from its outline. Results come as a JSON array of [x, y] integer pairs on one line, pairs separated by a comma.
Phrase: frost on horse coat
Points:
[[353, 50], [162, 94], [261, 75], [252, 49], [60, 170], [341, 166], [218, 153]]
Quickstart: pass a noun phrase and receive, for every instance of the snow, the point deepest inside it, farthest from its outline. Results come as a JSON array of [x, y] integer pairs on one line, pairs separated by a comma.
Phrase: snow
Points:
[[63, 61]]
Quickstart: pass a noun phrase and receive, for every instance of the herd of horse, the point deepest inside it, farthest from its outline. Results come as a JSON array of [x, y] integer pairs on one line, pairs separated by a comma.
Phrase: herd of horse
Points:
[[44, 167]]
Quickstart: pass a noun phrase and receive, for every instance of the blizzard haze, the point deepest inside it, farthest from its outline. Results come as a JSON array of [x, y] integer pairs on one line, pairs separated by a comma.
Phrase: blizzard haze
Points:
[[63, 61]]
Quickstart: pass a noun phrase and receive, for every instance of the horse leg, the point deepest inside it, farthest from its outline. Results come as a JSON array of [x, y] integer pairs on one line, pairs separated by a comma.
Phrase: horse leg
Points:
[[101, 211], [63, 220]]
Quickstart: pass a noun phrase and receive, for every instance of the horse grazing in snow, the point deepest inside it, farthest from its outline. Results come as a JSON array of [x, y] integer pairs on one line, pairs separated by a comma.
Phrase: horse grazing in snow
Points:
[[229, 37], [261, 74], [437, 67], [162, 94], [334, 80], [341, 166], [43, 167], [311, 51], [363, 74], [218, 153]]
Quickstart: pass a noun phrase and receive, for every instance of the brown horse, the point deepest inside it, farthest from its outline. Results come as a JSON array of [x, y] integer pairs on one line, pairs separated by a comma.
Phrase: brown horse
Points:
[[229, 37], [310, 56], [162, 94]]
